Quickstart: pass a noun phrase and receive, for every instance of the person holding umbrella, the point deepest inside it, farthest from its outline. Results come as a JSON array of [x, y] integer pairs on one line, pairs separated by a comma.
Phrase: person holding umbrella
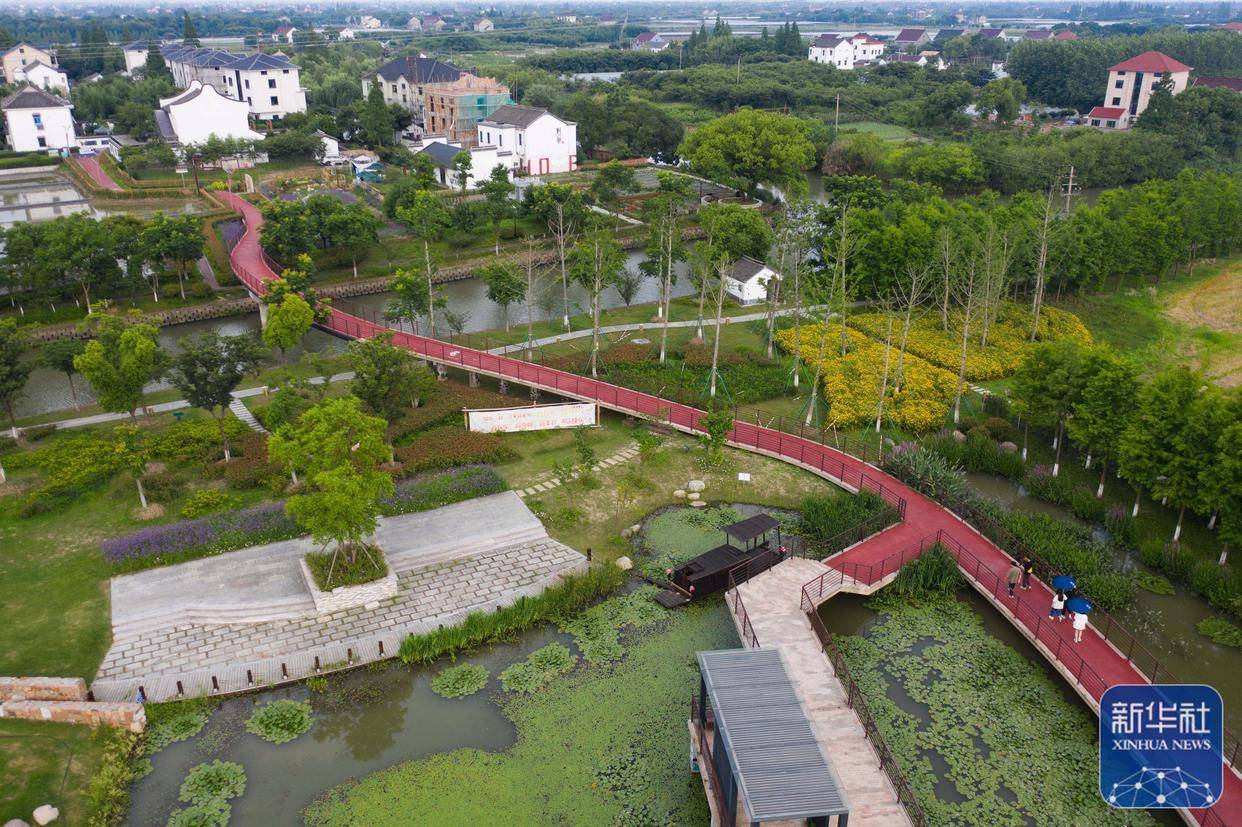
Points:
[[1063, 583], [1079, 607], [1057, 612]]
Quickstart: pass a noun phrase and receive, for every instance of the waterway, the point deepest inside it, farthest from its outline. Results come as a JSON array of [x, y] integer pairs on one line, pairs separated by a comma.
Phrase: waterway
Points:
[[1165, 623], [49, 390]]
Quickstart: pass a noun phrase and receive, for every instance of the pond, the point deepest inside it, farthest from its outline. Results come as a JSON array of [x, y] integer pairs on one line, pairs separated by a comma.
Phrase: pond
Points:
[[1165, 623], [47, 195], [48, 390]]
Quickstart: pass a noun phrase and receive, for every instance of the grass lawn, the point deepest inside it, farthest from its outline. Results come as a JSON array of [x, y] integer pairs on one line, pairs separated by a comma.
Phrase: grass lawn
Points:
[[1196, 321], [887, 131], [47, 763]]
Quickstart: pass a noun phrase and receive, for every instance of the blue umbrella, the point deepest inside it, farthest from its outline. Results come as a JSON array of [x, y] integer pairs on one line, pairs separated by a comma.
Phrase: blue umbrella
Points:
[[1079, 605], [1064, 583]]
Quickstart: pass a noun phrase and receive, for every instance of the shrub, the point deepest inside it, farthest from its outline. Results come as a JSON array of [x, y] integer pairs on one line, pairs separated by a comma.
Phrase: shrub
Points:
[[444, 407], [36, 433], [925, 470], [1154, 583], [1040, 483], [280, 721], [1084, 504], [1220, 631], [334, 570], [206, 501], [1110, 591], [163, 486], [119, 766], [995, 405], [451, 445], [933, 574], [195, 440], [69, 467], [250, 468], [538, 669], [213, 780], [1120, 527], [213, 813], [460, 681]]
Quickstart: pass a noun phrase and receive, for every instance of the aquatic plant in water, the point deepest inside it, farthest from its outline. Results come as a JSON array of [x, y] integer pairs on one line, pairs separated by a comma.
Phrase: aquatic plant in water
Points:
[[280, 721], [213, 780], [540, 667], [460, 681]]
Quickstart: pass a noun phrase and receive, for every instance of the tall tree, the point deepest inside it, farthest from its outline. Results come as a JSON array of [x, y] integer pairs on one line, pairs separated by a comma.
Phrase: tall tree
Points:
[[1047, 386], [428, 220], [505, 283], [753, 147], [155, 67], [1147, 449], [208, 368], [387, 379], [595, 263], [287, 322], [613, 181], [462, 165], [560, 207], [664, 242], [133, 454], [376, 119], [1102, 412], [14, 369], [498, 199], [355, 229], [189, 37], [179, 240], [119, 362], [59, 355]]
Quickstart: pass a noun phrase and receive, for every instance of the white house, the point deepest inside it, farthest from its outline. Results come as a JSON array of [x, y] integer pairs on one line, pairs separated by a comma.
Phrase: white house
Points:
[[649, 41], [283, 34], [483, 159], [368, 21], [483, 25], [831, 50], [23, 54], [866, 47], [346, 34], [541, 143], [37, 120], [331, 146], [135, 54], [270, 85], [748, 283], [41, 75], [193, 116]]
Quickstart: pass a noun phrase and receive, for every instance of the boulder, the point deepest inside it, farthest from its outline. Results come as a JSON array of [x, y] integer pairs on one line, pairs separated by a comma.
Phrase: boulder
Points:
[[625, 533], [625, 563], [15, 822], [46, 814], [679, 494], [959, 436], [1008, 447], [697, 504], [696, 485], [694, 495], [636, 529]]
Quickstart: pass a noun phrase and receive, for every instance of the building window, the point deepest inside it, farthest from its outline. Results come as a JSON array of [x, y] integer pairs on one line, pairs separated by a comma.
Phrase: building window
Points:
[[38, 121], [285, 72], [263, 72], [1110, 124], [247, 83], [42, 142], [394, 87], [1121, 74], [275, 101], [502, 140], [1116, 101], [558, 134], [1118, 83], [271, 83], [519, 138]]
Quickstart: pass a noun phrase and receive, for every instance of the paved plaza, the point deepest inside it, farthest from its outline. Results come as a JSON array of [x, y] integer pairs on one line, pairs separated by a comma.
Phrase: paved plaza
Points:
[[228, 623]]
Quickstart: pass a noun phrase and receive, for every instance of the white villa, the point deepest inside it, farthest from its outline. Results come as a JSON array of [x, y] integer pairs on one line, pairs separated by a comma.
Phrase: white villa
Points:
[[483, 159], [748, 283], [193, 116], [22, 55], [36, 120], [40, 74], [269, 85], [843, 52], [540, 142]]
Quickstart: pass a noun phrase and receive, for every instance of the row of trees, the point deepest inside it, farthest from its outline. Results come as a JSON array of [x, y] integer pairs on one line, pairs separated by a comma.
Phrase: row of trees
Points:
[[1175, 436], [78, 258]]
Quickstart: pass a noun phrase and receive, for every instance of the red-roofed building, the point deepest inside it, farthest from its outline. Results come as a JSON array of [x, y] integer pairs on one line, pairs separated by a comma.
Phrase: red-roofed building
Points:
[[1130, 84], [1108, 117], [1232, 27], [910, 37], [1219, 83], [1065, 34], [1037, 34]]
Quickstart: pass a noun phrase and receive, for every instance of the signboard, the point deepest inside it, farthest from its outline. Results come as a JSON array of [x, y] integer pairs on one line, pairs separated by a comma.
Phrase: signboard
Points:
[[1161, 746], [533, 417]]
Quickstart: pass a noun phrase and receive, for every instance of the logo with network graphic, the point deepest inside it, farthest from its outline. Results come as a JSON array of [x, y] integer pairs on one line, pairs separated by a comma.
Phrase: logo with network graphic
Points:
[[1161, 746]]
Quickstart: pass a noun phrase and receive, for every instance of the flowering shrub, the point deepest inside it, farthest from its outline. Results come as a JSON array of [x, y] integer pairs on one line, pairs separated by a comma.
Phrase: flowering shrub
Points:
[[267, 523], [1008, 338], [851, 383], [206, 501], [450, 445]]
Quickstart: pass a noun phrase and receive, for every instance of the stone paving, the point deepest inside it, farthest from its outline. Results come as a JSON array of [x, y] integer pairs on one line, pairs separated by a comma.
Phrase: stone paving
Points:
[[624, 455]]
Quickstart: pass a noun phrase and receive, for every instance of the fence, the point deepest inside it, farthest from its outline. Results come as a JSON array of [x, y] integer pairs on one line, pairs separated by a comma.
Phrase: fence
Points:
[[705, 755], [854, 699]]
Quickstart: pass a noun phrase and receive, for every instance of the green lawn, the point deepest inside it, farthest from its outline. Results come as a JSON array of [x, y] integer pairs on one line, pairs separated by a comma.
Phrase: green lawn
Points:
[[887, 131], [48, 763]]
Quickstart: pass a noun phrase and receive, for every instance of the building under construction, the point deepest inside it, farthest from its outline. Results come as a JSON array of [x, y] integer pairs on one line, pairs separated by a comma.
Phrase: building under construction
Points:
[[451, 109]]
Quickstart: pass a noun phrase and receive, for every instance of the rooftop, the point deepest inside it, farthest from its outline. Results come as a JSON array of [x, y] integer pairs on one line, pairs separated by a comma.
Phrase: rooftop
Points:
[[512, 114], [827, 41], [441, 154], [909, 35], [1110, 112], [745, 269], [777, 763], [417, 70], [1150, 62], [30, 97], [1219, 83]]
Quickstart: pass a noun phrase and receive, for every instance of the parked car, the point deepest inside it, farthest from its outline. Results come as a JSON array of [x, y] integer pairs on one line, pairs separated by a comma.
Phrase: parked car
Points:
[[334, 161]]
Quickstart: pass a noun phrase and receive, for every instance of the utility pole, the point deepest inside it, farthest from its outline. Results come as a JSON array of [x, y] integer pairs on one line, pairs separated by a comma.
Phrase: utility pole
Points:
[[739, 69], [1069, 191], [836, 118]]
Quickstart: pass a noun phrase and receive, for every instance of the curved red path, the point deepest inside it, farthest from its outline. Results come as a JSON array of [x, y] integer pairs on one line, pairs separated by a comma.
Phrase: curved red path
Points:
[[90, 165], [1095, 662]]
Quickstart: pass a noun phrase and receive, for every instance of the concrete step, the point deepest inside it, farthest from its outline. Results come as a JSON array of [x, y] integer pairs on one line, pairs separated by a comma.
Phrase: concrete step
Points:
[[239, 410]]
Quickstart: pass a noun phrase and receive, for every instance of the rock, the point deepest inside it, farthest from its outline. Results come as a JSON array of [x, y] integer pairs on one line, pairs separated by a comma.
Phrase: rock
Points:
[[693, 495], [959, 436], [697, 504], [679, 494], [625, 563], [15, 822], [46, 814], [636, 529], [696, 485], [625, 533], [1008, 447]]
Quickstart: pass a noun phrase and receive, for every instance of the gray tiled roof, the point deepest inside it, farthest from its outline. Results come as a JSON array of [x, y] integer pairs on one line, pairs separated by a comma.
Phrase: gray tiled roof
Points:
[[30, 97], [417, 70], [512, 114], [747, 268], [441, 154]]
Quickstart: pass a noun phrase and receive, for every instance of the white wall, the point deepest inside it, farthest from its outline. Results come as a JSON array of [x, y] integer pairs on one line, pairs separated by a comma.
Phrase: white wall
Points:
[[45, 77], [288, 92], [56, 130], [209, 114], [549, 145], [135, 60]]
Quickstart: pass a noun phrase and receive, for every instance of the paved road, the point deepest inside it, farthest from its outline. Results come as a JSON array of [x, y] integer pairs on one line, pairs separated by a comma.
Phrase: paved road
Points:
[[90, 165]]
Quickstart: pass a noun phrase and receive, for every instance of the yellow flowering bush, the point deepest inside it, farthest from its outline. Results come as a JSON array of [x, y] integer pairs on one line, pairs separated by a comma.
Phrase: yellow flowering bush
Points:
[[851, 383], [1008, 338]]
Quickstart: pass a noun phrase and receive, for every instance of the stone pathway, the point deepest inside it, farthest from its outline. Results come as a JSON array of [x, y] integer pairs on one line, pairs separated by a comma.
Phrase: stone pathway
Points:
[[286, 650], [209, 275], [239, 410], [773, 604], [624, 455]]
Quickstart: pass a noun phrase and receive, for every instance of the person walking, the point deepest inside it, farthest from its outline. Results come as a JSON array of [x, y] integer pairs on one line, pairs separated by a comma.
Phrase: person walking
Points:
[[1014, 573], [1028, 568], [1057, 612], [1080, 624]]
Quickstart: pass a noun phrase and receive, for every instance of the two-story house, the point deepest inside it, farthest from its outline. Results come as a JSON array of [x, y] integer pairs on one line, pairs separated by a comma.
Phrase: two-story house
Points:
[[541, 143], [831, 50], [41, 75], [36, 120], [270, 85], [135, 54], [22, 55], [1130, 84], [403, 81], [649, 41]]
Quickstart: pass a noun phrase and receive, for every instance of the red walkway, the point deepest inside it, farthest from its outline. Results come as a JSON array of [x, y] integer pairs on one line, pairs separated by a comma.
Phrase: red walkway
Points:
[[1095, 663], [90, 165]]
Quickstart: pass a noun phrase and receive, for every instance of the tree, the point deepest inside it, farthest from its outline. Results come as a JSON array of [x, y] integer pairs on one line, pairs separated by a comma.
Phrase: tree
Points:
[[665, 246], [505, 283], [1191, 456], [1147, 449], [156, 68], [752, 147], [120, 361], [716, 425], [560, 207], [354, 228], [498, 196], [595, 263], [611, 182], [376, 119], [1109, 393], [287, 322], [461, 166], [179, 240], [14, 369], [428, 220], [1004, 96], [338, 449], [59, 355], [1047, 386], [208, 368], [132, 454], [287, 230], [412, 297], [189, 37], [1221, 481], [387, 379]]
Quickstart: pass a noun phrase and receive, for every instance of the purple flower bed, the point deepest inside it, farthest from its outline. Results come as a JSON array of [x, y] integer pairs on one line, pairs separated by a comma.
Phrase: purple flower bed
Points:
[[267, 523]]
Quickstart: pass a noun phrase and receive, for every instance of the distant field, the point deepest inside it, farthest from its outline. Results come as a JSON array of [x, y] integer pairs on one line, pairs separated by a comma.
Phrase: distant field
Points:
[[887, 131]]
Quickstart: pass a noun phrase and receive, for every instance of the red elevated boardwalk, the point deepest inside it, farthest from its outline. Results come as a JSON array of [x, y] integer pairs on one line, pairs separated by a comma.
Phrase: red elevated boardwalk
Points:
[[90, 165], [1095, 663]]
